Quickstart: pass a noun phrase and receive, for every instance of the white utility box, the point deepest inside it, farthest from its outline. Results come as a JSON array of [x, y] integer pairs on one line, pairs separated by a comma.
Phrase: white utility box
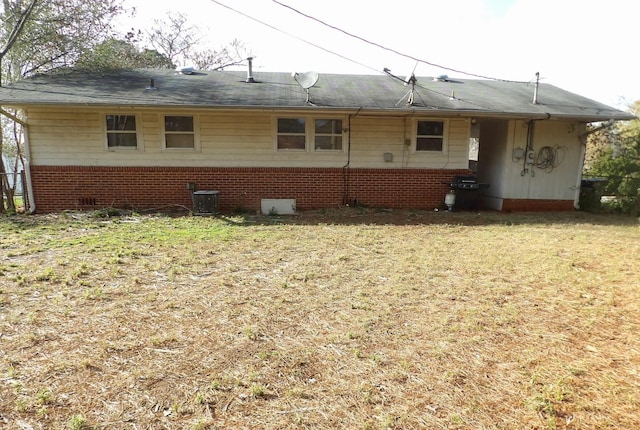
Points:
[[278, 206]]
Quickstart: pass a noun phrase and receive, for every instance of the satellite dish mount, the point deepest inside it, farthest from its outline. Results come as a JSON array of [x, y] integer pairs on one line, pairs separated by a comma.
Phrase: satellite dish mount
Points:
[[306, 80], [410, 81]]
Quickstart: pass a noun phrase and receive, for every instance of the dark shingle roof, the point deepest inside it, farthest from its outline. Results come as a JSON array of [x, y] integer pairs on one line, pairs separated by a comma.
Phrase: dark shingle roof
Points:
[[280, 91]]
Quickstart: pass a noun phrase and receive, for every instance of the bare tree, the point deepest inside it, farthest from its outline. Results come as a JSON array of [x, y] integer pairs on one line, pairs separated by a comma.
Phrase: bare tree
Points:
[[174, 37], [228, 56], [180, 42]]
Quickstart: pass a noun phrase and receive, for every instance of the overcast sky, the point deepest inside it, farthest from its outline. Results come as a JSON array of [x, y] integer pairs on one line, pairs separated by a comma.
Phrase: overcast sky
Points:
[[585, 46]]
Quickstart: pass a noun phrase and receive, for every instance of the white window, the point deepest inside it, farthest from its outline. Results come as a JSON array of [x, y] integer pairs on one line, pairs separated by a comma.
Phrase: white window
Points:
[[430, 135], [122, 131], [179, 132], [309, 133], [291, 133]]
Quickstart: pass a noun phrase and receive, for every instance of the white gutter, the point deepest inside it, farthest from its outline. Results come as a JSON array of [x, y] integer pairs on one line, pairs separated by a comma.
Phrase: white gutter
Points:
[[27, 158], [467, 113]]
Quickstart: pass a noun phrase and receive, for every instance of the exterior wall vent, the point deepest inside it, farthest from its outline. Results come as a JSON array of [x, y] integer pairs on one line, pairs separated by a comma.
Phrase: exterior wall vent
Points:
[[186, 70]]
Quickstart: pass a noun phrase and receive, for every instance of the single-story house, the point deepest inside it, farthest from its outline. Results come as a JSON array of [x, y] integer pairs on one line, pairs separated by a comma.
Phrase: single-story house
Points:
[[149, 138]]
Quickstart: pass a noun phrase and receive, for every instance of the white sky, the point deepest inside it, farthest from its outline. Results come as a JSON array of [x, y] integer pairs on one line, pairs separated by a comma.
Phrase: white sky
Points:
[[584, 46]]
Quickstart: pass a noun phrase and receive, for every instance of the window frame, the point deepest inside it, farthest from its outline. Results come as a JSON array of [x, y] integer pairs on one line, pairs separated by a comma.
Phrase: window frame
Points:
[[310, 133], [416, 136], [138, 132], [277, 133], [332, 135], [195, 133]]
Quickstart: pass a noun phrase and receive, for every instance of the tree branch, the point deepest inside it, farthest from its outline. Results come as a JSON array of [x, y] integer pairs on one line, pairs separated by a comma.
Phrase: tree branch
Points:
[[17, 29]]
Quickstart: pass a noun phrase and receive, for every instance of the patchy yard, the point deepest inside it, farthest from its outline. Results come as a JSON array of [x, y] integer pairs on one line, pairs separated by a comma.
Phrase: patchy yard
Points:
[[341, 319]]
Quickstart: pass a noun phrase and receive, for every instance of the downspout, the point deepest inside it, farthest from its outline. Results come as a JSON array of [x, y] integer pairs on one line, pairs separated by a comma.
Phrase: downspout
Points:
[[346, 173], [27, 158], [583, 152]]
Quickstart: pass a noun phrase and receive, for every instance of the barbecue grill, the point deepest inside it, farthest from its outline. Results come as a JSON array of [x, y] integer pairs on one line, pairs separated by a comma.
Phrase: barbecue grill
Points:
[[466, 183], [467, 191]]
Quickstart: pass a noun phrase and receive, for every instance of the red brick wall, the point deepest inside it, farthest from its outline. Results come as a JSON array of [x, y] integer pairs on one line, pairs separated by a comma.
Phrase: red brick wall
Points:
[[83, 187]]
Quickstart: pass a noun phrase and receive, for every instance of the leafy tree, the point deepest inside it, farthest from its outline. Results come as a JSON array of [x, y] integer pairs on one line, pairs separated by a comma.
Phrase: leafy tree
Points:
[[615, 154], [53, 33], [42, 35], [115, 54]]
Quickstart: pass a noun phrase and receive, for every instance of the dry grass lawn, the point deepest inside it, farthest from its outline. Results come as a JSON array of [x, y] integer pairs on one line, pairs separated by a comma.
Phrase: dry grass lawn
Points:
[[356, 319]]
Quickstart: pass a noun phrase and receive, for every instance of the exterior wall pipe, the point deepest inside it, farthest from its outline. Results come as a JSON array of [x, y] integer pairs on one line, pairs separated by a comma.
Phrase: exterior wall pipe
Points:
[[535, 90], [27, 169], [250, 78], [583, 152]]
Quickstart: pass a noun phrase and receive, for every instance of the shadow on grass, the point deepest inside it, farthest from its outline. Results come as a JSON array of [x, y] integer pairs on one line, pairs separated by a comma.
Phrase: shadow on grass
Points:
[[339, 216], [367, 216]]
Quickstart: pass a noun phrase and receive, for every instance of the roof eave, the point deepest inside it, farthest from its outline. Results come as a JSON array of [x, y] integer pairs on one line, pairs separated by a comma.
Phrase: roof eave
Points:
[[378, 111]]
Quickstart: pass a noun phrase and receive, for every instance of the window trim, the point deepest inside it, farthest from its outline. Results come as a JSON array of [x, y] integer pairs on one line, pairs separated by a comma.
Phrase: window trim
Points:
[[276, 134], [310, 133], [195, 133], [414, 136], [138, 131], [332, 134]]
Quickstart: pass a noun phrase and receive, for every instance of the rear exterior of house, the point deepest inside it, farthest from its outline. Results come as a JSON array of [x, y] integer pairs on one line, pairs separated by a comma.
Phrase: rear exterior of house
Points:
[[237, 154], [131, 142]]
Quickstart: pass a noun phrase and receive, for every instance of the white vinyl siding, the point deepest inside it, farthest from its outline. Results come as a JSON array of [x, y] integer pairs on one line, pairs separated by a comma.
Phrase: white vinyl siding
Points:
[[371, 137], [558, 183], [234, 139]]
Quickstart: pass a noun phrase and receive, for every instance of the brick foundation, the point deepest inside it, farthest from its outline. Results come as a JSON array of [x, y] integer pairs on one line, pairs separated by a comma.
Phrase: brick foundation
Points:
[[83, 187], [536, 205]]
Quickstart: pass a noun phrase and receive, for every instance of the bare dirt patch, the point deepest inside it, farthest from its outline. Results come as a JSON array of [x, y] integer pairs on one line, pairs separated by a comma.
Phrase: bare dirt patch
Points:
[[333, 319]]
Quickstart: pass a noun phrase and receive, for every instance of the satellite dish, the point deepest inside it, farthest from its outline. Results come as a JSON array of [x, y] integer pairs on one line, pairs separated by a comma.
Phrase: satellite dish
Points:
[[306, 80], [412, 76]]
